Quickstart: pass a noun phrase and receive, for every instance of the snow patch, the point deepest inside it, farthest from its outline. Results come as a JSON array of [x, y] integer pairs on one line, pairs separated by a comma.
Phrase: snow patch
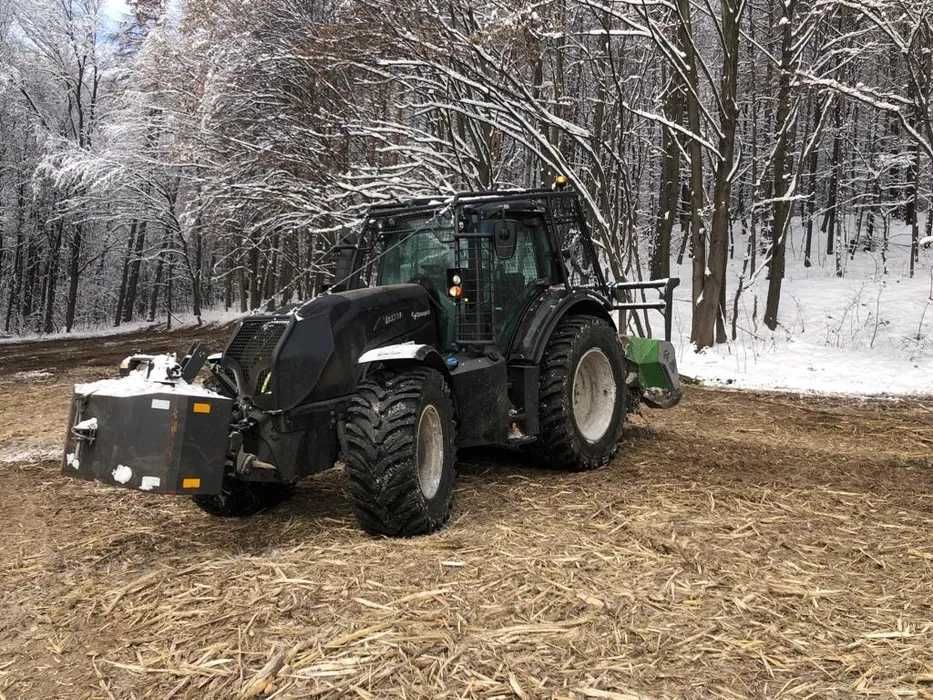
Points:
[[122, 474], [143, 381], [71, 459], [33, 374], [213, 317], [14, 454], [867, 333]]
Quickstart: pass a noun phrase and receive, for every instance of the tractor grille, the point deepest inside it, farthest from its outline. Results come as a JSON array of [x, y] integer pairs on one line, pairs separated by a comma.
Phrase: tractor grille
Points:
[[253, 345]]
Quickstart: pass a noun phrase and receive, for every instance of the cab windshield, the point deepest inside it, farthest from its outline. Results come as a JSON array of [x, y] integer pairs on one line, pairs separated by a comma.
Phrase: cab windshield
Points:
[[420, 250], [416, 250]]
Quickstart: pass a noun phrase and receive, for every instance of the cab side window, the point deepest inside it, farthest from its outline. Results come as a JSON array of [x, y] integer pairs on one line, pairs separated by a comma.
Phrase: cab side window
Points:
[[519, 276]]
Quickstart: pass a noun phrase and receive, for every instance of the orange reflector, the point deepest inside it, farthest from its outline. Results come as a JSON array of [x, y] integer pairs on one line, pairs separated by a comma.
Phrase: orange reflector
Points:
[[202, 407], [455, 291], [191, 483]]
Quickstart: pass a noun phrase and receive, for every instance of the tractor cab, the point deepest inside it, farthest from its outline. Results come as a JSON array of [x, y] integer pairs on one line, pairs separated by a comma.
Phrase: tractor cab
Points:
[[483, 259]]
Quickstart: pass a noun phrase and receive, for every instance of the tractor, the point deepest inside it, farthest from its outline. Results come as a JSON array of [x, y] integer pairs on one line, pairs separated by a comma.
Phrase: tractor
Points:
[[475, 319]]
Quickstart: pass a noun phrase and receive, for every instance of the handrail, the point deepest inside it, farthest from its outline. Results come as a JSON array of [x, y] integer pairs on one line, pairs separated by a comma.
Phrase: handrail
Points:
[[665, 289]]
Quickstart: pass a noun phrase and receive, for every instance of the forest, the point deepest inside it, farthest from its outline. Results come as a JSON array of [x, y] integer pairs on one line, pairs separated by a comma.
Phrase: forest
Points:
[[165, 157]]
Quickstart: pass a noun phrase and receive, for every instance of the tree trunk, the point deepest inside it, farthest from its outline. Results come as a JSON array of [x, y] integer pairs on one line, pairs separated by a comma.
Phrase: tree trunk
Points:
[[55, 245], [74, 270], [812, 168], [710, 301], [16, 281], [228, 278], [786, 115], [914, 210], [254, 288], [832, 213], [169, 295], [669, 190], [121, 295], [132, 285], [697, 231], [196, 274], [29, 278], [159, 273]]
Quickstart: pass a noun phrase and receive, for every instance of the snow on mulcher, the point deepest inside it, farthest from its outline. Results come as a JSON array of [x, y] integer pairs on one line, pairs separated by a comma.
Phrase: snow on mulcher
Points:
[[476, 319]]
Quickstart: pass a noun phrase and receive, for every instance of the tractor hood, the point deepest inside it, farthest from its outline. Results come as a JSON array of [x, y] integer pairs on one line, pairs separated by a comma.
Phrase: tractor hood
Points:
[[309, 354]]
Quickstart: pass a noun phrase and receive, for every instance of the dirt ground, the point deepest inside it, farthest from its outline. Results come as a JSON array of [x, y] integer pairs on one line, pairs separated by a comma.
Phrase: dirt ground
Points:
[[740, 545]]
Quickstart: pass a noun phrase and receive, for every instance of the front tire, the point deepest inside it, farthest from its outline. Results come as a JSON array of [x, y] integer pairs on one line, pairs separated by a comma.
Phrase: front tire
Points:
[[398, 442], [582, 395]]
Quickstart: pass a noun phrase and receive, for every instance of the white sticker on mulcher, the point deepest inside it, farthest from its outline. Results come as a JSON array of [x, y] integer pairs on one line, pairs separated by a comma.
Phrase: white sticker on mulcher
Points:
[[149, 482], [162, 404]]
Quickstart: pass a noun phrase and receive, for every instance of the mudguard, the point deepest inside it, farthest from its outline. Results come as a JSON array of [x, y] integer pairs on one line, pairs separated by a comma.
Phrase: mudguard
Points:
[[402, 352], [545, 312]]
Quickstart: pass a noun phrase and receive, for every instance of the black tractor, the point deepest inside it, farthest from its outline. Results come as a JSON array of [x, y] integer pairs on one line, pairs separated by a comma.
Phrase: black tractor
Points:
[[455, 321]]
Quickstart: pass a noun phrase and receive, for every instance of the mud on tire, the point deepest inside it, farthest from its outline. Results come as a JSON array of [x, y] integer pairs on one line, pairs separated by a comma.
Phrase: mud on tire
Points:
[[398, 442], [584, 356]]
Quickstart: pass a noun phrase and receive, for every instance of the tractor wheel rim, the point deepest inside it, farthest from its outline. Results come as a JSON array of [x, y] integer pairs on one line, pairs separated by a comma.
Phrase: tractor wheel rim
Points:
[[594, 395], [430, 451]]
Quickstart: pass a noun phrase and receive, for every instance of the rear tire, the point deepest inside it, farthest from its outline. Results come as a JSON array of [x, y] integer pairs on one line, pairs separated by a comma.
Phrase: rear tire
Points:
[[582, 395], [398, 442], [239, 499]]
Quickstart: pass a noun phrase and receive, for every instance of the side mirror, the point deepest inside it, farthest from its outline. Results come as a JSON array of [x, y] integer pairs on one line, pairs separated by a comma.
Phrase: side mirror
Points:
[[505, 235]]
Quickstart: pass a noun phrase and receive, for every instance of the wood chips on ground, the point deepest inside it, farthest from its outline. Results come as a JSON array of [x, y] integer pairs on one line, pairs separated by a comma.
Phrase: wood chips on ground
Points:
[[739, 545]]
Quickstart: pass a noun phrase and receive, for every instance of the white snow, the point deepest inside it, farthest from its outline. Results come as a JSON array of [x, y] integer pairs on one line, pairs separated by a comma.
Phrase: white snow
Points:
[[212, 317], [88, 424], [865, 334], [36, 452], [122, 474], [71, 459], [137, 383], [33, 375]]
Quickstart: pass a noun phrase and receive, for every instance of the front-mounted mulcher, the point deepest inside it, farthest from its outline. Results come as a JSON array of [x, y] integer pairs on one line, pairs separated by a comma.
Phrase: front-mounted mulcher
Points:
[[482, 318]]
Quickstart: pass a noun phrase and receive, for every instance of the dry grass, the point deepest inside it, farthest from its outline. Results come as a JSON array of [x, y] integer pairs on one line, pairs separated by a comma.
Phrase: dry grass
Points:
[[740, 545]]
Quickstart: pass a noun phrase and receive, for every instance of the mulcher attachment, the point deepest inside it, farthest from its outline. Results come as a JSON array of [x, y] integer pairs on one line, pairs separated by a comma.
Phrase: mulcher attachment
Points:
[[656, 367]]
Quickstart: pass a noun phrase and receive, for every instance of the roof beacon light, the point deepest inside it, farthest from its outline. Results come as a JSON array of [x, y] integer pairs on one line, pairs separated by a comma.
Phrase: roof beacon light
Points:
[[560, 182]]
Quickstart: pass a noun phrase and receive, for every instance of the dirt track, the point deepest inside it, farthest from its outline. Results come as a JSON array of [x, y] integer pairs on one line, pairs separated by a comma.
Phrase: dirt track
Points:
[[740, 545]]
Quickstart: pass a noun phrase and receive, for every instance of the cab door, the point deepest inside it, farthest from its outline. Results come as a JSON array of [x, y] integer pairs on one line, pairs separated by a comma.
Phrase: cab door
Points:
[[523, 266]]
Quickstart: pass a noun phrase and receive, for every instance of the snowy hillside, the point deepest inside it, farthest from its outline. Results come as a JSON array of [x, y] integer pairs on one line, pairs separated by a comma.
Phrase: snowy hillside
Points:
[[867, 333]]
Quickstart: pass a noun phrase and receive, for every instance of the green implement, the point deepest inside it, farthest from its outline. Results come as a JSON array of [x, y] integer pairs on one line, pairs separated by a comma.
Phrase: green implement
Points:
[[654, 365]]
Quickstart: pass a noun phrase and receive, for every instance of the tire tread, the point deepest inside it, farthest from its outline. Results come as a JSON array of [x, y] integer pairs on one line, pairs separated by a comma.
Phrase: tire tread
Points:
[[557, 444], [379, 447]]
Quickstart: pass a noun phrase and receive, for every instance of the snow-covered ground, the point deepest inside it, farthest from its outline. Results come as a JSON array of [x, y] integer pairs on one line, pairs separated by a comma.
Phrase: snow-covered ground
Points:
[[867, 333], [210, 316]]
